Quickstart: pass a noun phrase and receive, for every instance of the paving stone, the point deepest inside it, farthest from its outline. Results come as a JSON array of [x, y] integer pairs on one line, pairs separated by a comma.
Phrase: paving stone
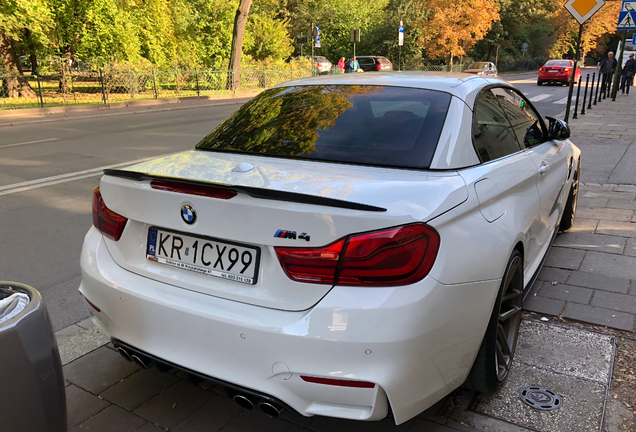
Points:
[[214, 415], [605, 214], [630, 248], [139, 388], [550, 274], [566, 350], [617, 228], [596, 315], [621, 204], [598, 281], [617, 302], [175, 404], [592, 202], [257, 421], [596, 242], [625, 188], [584, 225], [564, 258], [149, 427], [425, 425], [80, 343], [112, 419], [566, 292], [607, 194], [543, 305], [582, 401], [99, 370], [80, 405], [610, 265]]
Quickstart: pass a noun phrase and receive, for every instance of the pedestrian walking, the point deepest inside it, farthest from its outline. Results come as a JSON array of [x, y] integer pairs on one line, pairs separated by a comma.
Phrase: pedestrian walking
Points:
[[353, 65], [608, 66], [341, 65], [628, 74]]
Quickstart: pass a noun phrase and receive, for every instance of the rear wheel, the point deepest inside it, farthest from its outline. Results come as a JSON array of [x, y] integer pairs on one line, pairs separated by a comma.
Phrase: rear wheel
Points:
[[567, 220], [539, 83], [494, 360]]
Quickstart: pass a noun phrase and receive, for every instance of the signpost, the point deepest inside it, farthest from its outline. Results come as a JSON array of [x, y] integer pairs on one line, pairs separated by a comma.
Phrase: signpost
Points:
[[355, 37], [400, 43], [581, 10], [625, 22]]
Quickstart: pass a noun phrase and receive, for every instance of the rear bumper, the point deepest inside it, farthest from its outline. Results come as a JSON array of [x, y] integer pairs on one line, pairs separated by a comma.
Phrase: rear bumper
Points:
[[554, 77], [416, 343]]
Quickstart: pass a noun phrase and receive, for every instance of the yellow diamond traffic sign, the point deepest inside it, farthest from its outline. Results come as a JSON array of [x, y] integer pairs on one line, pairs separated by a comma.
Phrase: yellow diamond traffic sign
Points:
[[582, 10]]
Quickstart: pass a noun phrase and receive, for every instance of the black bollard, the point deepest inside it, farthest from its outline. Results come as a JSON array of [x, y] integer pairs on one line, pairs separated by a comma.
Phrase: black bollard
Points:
[[589, 104], [576, 104], [598, 84], [587, 82]]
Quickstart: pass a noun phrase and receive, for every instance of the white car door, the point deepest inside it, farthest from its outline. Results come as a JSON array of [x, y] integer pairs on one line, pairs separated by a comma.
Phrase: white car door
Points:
[[550, 162], [505, 181]]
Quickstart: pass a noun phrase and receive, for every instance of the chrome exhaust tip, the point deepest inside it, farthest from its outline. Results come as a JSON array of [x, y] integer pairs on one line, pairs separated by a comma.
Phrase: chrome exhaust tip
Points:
[[139, 361], [270, 410], [124, 354], [243, 402]]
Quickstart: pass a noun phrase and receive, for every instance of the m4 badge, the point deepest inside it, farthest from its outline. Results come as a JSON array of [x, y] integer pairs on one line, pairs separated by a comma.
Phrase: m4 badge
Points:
[[291, 235]]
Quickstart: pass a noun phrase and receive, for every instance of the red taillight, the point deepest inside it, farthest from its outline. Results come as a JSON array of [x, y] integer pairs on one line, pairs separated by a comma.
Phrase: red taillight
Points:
[[379, 66], [105, 220], [566, 70], [193, 189], [312, 265], [541, 70], [338, 382], [397, 256]]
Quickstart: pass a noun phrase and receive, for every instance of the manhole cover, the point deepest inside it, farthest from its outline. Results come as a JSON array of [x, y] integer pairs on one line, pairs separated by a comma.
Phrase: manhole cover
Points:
[[540, 398]]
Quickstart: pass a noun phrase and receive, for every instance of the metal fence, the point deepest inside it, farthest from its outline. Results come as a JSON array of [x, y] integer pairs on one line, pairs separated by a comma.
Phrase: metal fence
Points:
[[32, 91]]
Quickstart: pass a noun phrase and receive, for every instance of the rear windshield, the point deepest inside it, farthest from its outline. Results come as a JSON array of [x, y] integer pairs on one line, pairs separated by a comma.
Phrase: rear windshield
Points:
[[365, 60], [558, 63], [478, 66], [375, 125]]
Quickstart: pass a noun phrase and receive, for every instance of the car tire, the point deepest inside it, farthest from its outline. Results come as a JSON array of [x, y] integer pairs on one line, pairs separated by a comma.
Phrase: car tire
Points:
[[567, 220], [494, 360], [539, 83]]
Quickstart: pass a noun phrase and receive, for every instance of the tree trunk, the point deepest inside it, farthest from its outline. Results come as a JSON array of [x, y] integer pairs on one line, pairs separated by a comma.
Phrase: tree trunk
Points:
[[489, 57], [237, 44], [15, 86]]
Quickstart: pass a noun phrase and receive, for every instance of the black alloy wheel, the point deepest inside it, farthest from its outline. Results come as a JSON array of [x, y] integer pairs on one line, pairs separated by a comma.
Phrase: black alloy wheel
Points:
[[567, 220], [494, 360], [509, 318]]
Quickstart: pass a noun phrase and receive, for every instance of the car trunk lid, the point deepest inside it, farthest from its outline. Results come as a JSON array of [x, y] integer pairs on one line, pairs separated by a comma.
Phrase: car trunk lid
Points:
[[274, 196]]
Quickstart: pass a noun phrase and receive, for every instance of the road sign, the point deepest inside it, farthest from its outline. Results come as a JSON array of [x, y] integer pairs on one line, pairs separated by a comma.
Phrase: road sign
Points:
[[626, 21], [524, 47], [317, 45], [628, 6], [401, 34], [582, 10]]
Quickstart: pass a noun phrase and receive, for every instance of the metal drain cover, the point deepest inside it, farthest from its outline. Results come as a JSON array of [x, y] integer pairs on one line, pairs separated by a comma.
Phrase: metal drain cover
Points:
[[540, 398]]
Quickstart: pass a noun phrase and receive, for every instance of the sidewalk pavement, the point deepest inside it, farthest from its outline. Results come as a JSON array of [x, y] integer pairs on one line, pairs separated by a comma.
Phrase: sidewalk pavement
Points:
[[589, 277]]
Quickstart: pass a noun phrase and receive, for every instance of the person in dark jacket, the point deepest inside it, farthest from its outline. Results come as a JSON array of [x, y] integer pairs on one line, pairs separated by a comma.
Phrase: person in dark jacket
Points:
[[608, 66], [629, 70]]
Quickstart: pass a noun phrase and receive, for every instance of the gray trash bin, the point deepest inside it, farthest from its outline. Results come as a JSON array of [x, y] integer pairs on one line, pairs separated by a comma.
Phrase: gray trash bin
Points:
[[32, 396]]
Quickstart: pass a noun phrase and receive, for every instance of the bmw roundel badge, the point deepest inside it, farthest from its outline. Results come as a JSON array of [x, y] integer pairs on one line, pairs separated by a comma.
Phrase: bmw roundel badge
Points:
[[188, 214]]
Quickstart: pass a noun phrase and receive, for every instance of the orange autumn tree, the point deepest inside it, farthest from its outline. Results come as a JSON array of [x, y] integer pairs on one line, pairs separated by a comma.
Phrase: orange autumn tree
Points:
[[597, 29], [453, 28]]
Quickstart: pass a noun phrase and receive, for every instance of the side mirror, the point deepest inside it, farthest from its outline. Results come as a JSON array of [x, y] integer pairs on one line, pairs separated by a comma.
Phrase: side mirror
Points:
[[559, 130]]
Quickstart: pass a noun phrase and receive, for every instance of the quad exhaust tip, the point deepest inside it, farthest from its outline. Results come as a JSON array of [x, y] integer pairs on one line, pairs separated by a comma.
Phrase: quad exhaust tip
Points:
[[139, 362], [270, 410], [244, 402], [124, 354]]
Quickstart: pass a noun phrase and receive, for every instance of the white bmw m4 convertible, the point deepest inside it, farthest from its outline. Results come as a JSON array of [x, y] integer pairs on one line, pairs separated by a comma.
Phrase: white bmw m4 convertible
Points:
[[354, 246]]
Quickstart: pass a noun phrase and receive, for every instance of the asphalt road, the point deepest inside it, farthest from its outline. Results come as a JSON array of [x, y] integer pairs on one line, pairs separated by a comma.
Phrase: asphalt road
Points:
[[48, 172]]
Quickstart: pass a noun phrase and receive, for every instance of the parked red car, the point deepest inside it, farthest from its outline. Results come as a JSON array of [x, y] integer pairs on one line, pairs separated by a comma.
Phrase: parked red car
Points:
[[557, 71]]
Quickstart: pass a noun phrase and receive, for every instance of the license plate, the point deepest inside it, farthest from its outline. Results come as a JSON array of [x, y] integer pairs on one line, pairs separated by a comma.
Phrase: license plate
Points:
[[205, 255], [553, 71]]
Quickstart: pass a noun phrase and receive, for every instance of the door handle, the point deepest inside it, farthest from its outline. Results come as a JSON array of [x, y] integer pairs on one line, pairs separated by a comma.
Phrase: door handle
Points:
[[544, 168]]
